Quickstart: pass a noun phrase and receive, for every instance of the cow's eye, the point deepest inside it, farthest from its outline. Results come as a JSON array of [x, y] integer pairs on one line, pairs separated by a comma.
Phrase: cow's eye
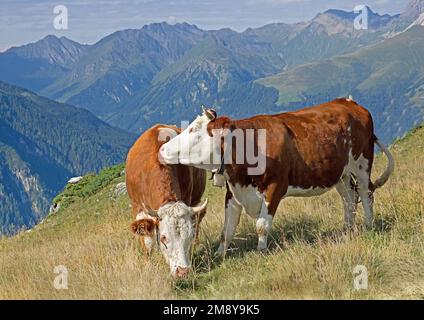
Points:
[[164, 241]]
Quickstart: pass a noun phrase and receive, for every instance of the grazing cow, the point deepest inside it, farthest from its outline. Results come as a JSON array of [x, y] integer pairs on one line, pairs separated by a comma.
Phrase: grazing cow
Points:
[[307, 153], [163, 199]]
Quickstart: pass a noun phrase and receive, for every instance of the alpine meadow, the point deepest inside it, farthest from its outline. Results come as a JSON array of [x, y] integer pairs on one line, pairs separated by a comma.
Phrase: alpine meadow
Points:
[[310, 256]]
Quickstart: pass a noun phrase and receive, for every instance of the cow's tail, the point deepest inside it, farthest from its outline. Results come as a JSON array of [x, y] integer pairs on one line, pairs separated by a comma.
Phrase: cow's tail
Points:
[[390, 166]]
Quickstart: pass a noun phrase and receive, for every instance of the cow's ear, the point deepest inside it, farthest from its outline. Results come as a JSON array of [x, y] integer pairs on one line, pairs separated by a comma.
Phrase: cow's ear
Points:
[[144, 227], [210, 113]]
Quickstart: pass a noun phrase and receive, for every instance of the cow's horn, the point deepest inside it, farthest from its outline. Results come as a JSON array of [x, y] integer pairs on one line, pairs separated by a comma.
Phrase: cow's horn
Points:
[[200, 208]]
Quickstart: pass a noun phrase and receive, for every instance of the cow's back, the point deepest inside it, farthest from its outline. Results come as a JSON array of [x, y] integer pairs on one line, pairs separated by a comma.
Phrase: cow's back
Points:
[[151, 184], [311, 147], [341, 123], [320, 140]]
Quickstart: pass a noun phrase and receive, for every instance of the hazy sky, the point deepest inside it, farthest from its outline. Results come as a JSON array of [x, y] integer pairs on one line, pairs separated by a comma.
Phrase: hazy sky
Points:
[[23, 21]]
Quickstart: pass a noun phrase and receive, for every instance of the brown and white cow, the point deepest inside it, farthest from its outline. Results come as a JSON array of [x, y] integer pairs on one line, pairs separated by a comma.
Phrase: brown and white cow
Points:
[[307, 153], [163, 199]]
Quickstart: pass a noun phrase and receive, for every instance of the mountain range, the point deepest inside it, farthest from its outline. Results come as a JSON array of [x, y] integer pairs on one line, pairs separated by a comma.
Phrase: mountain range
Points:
[[163, 73]]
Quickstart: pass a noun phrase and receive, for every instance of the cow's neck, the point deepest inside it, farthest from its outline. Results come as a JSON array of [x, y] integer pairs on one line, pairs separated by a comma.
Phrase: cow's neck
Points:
[[238, 173], [168, 186]]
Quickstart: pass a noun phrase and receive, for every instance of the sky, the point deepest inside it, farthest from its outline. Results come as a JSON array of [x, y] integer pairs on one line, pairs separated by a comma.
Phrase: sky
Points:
[[24, 21]]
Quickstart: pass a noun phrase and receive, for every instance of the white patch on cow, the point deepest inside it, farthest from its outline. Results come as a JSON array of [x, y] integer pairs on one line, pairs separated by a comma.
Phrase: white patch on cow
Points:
[[248, 197], [357, 167], [310, 192]]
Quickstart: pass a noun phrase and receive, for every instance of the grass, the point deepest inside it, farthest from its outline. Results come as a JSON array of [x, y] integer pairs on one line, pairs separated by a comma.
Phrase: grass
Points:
[[309, 257]]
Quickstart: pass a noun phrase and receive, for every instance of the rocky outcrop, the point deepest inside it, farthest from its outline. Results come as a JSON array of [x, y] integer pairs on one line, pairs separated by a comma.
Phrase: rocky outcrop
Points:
[[120, 190]]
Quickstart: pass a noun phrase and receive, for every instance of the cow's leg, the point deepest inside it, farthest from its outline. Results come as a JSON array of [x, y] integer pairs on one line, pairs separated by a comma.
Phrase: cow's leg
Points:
[[269, 207], [350, 199], [362, 172], [263, 226], [232, 219], [366, 196]]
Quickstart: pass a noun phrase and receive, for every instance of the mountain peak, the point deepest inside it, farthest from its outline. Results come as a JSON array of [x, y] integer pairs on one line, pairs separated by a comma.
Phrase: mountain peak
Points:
[[414, 9], [155, 25], [50, 37], [165, 25], [347, 15], [52, 48], [336, 20], [351, 15]]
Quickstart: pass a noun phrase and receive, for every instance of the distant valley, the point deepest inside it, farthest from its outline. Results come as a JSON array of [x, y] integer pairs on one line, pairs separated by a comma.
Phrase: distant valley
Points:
[[42, 144]]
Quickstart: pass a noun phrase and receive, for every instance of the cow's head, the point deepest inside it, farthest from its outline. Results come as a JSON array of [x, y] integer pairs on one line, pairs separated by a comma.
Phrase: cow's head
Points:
[[194, 146], [176, 229]]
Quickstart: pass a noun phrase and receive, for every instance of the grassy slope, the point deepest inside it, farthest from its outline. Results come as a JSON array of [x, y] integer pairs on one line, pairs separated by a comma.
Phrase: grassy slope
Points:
[[310, 257]]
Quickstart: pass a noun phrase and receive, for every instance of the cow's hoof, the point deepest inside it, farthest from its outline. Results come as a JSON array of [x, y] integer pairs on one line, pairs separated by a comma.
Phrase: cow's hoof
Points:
[[262, 243], [220, 250], [261, 249], [369, 226]]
